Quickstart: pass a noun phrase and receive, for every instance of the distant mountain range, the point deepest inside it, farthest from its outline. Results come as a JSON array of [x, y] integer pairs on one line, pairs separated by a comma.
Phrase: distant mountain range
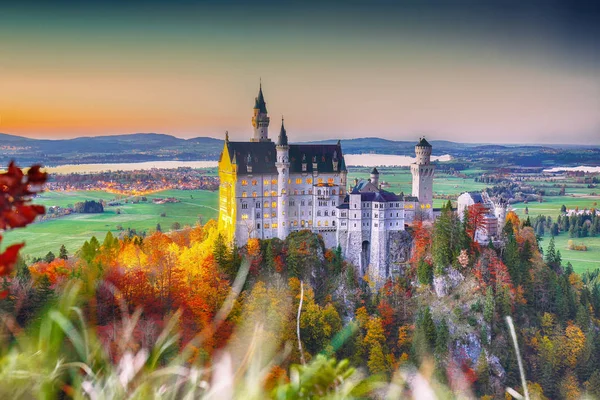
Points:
[[153, 147]]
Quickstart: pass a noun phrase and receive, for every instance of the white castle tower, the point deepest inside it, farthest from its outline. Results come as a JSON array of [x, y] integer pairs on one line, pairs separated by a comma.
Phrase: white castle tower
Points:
[[422, 172], [283, 169], [260, 119]]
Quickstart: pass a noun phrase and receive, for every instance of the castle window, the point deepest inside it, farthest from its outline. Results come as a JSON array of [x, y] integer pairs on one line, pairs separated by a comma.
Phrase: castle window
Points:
[[274, 181], [274, 193], [375, 224], [396, 214], [266, 215], [333, 223], [244, 182], [355, 206], [355, 225], [333, 203], [303, 167], [320, 180], [258, 215], [390, 224], [266, 182], [319, 192], [253, 194], [296, 192], [282, 191], [302, 203], [254, 182], [309, 181], [244, 216], [257, 205], [273, 214], [333, 212], [244, 194], [289, 181], [274, 225], [274, 204], [354, 215], [257, 226], [319, 223], [326, 223], [326, 213], [330, 180], [266, 204], [244, 206], [319, 213], [302, 223], [333, 192], [298, 181], [266, 226], [296, 223], [283, 223], [376, 216], [266, 193]]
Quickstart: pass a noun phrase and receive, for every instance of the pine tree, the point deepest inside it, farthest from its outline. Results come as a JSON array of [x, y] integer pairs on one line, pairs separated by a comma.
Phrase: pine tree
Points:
[[62, 253], [49, 257], [551, 254], [158, 228], [442, 335]]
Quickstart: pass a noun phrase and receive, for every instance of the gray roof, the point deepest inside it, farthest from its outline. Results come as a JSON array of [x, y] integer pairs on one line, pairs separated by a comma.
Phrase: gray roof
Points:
[[423, 143], [263, 155]]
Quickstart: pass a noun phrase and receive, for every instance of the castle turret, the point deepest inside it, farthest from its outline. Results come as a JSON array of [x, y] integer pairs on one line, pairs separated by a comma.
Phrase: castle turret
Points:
[[422, 171], [500, 208], [283, 169], [260, 119], [375, 177]]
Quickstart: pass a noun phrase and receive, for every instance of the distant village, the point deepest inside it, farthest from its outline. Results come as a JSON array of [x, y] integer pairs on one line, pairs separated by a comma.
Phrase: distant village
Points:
[[136, 183]]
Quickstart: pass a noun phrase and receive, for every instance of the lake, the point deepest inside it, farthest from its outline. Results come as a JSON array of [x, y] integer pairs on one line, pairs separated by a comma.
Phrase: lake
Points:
[[364, 160], [581, 168]]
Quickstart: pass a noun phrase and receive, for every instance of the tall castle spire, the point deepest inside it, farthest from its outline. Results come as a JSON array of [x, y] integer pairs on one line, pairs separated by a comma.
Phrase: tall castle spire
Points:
[[260, 118]]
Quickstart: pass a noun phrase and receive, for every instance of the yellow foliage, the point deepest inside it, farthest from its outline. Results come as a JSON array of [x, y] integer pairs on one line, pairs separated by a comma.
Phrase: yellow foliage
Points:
[[573, 344]]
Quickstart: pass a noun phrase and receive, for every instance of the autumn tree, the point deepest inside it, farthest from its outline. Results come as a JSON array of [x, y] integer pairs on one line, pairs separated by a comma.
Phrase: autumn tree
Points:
[[16, 211]]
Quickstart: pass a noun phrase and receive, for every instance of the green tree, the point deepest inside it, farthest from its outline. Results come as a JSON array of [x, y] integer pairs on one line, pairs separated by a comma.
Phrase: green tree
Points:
[[49, 257], [62, 253], [550, 257], [424, 272], [158, 228], [442, 335]]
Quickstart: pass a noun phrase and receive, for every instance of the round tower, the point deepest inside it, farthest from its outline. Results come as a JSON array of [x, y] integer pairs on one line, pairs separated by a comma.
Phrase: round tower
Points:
[[422, 172], [283, 169], [260, 119]]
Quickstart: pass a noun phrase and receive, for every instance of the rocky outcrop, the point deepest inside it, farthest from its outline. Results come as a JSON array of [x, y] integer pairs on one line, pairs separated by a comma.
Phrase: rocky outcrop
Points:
[[399, 251], [444, 284]]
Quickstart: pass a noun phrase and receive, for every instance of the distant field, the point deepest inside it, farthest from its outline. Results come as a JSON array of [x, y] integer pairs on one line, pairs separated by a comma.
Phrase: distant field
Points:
[[581, 260], [75, 229]]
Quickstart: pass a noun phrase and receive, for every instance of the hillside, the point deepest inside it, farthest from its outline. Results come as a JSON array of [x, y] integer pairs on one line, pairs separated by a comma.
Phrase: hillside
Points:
[[140, 147]]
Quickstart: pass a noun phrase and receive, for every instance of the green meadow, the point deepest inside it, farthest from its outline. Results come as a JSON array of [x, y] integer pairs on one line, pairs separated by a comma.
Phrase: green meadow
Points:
[[75, 229]]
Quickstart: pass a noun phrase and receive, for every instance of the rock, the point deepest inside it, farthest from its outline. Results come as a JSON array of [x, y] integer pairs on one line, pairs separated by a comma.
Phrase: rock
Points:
[[444, 284], [468, 348], [495, 366]]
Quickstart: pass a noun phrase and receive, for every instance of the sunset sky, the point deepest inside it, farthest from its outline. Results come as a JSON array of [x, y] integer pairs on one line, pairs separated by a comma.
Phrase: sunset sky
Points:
[[505, 72]]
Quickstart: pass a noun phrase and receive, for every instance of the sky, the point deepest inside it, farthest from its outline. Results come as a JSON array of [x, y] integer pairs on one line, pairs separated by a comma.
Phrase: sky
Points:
[[466, 71]]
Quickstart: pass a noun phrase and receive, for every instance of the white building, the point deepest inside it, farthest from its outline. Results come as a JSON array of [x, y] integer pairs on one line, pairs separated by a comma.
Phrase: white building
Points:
[[493, 218], [271, 189]]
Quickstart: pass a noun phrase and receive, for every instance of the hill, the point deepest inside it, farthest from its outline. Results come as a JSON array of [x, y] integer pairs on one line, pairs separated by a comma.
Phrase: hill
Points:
[[140, 147]]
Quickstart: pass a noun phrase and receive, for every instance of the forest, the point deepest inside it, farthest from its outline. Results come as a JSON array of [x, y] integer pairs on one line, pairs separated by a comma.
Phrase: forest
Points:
[[187, 315]]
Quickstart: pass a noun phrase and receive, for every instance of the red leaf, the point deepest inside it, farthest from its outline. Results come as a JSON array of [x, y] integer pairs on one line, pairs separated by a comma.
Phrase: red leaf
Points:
[[9, 258]]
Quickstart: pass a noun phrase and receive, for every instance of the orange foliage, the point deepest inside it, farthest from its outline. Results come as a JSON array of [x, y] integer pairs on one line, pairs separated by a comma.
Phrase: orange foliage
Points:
[[56, 271], [513, 218], [387, 316], [422, 241]]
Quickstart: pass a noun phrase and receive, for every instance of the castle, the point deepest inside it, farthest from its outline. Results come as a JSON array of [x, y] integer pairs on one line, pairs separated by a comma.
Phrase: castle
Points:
[[493, 214], [271, 189]]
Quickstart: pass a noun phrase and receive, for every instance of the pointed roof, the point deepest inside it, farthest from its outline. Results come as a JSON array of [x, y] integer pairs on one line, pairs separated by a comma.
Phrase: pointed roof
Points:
[[283, 139], [423, 143], [259, 102], [374, 171]]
